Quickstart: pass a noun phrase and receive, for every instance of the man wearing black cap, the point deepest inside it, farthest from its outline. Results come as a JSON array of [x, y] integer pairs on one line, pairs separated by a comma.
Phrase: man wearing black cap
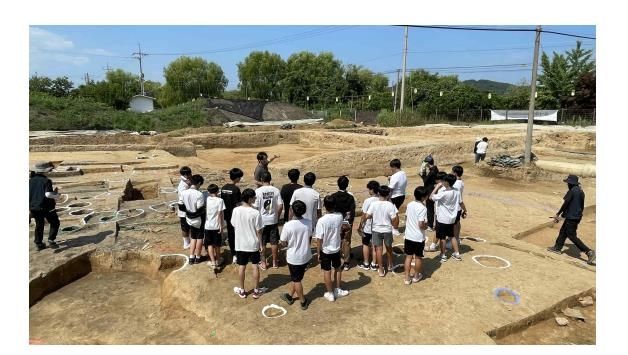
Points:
[[42, 204], [572, 210]]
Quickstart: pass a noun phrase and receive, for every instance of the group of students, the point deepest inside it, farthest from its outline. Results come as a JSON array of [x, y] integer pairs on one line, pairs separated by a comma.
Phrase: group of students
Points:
[[252, 221]]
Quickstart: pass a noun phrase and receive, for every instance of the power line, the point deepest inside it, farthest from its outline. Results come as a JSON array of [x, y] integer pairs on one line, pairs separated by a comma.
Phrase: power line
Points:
[[289, 38], [499, 30]]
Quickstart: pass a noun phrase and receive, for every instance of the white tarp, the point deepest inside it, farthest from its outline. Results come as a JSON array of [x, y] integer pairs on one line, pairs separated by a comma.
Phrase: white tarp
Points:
[[539, 115], [271, 123]]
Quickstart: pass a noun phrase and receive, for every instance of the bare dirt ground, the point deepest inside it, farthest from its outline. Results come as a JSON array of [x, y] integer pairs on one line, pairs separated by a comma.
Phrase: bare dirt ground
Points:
[[453, 305]]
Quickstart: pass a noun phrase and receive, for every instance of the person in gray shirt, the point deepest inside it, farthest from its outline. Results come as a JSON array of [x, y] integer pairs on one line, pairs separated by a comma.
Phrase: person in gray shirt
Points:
[[571, 210], [262, 166]]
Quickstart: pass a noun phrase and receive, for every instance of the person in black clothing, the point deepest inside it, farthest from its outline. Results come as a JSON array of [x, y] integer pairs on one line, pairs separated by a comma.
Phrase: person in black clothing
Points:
[[42, 204], [345, 204], [429, 181], [262, 166], [230, 193], [287, 191], [571, 210]]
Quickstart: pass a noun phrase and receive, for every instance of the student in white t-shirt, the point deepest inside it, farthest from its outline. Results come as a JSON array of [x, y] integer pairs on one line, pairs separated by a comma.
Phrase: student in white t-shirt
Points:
[[385, 218], [328, 231], [214, 221], [481, 148], [448, 200], [310, 197], [269, 203], [414, 243], [296, 235], [184, 184], [192, 202], [397, 184], [366, 228], [247, 224], [462, 209]]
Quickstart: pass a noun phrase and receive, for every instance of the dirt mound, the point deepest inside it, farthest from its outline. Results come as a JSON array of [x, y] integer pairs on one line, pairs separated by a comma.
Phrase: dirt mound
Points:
[[338, 123], [279, 111]]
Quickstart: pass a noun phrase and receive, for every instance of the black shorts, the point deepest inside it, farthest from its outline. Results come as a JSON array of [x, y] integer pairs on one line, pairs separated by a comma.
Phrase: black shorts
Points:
[[213, 238], [458, 217], [398, 201], [270, 234], [413, 248], [196, 233], [297, 272], [185, 227], [245, 256], [366, 240], [329, 260], [444, 230]]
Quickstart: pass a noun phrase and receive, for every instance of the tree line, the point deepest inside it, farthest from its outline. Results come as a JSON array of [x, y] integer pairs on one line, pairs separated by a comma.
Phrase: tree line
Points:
[[319, 81]]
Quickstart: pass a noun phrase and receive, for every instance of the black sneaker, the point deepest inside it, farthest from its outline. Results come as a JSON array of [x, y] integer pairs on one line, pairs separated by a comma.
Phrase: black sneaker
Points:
[[346, 267], [286, 297], [554, 250], [191, 260], [52, 244], [591, 255], [40, 247], [305, 303]]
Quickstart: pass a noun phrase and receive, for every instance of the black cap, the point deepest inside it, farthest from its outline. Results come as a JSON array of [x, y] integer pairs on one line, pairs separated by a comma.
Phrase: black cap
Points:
[[572, 179]]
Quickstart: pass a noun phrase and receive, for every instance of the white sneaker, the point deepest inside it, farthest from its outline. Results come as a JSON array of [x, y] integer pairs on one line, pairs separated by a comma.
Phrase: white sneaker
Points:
[[395, 232], [329, 296], [433, 247], [340, 292], [443, 258]]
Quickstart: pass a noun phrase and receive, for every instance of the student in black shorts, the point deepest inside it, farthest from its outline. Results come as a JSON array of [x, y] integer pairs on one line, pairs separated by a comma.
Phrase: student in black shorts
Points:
[[230, 194], [345, 205], [366, 228], [296, 236], [328, 231]]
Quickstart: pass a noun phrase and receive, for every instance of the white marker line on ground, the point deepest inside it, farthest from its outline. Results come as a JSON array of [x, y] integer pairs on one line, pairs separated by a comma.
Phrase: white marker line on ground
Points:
[[491, 256], [185, 263], [275, 307]]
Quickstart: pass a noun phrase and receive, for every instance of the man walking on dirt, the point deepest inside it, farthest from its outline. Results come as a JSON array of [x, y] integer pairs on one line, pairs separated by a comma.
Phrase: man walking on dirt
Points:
[[571, 210], [42, 199]]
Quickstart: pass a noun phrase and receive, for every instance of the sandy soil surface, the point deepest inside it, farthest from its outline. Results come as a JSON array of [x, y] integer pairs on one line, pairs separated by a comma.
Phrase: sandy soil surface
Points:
[[455, 296]]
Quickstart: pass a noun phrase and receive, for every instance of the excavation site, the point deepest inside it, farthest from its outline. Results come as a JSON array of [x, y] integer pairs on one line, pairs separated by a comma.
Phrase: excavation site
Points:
[[121, 276]]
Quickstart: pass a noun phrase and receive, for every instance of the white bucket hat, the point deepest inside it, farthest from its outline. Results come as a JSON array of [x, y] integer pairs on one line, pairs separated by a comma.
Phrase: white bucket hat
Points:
[[43, 167]]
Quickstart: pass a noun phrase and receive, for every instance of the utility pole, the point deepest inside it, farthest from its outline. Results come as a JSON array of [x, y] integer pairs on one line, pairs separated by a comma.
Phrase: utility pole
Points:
[[535, 64], [107, 68], [396, 91], [139, 57], [403, 78]]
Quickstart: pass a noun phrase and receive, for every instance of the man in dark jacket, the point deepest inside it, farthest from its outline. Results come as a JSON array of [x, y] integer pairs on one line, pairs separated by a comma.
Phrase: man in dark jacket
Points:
[[429, 181], [345, 204], [571, 210], [42, 204]]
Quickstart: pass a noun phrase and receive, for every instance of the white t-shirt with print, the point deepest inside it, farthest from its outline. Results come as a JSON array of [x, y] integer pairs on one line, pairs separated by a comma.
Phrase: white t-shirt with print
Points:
[[214, 206], [328, 229], [398, 183], [365, 207], [482, 146], [459, 186], [267, 201], [193, 200], [383, 213], [246, 221], [183, 185], [416, 212], [447, 206], [297, 233], [312, 200]]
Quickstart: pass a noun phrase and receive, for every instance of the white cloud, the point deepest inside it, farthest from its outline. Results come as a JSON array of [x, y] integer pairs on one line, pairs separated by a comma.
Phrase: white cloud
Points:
[[47, 48], [97, 51]]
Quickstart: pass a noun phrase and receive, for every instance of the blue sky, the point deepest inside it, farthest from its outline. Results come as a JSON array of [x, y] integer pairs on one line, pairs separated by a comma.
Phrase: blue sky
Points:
[[76, 50]]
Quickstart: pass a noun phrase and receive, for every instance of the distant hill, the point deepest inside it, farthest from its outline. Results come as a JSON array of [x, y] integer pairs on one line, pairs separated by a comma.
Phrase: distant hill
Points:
[[489, 85]]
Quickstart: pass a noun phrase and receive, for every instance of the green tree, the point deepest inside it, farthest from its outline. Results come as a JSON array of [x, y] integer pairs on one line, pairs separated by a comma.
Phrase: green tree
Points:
[[321, 77], [260, 75], [59, 87], [188, 78], [39, 84]]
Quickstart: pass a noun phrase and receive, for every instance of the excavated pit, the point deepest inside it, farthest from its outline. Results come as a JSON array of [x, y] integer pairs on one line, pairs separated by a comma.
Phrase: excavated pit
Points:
[[105, 290]]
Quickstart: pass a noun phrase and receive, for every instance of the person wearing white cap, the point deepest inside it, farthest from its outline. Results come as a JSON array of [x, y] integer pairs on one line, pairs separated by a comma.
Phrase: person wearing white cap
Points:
[[571, 210], [42, 204]]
